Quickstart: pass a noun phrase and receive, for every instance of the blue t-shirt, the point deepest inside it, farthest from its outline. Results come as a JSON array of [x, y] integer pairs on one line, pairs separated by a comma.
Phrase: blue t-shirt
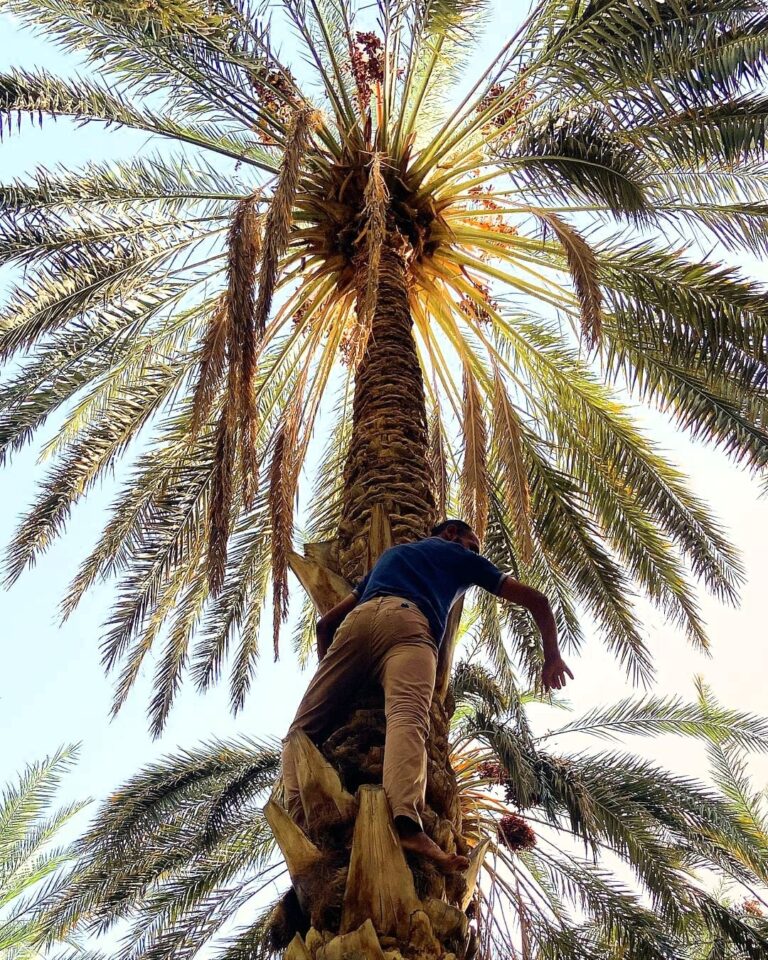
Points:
[[432, 573]]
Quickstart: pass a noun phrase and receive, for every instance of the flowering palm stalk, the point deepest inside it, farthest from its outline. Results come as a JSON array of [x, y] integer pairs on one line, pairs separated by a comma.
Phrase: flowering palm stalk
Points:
[[489, 264]]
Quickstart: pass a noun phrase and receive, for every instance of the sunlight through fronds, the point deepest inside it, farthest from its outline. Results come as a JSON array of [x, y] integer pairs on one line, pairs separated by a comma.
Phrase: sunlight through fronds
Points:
[[564, 215]]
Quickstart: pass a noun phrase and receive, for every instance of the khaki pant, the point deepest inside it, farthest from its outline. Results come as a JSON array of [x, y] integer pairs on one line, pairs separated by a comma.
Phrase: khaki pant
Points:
[[386, 638]]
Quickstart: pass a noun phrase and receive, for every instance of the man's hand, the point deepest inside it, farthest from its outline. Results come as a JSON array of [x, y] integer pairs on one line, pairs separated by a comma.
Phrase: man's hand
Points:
[[324, 638], [326, 626], [554, 672]]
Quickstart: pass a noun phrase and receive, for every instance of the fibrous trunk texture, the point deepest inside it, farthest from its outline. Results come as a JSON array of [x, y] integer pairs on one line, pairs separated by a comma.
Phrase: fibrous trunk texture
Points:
[[355, 893], [388, 453], [363, 897]]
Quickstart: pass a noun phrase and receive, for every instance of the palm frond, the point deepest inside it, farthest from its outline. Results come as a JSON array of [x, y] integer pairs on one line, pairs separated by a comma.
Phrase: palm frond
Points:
[[563, 154], [473, 480], [582, 263], [653, 715], [279, 217], [507, 443], [41, 94]]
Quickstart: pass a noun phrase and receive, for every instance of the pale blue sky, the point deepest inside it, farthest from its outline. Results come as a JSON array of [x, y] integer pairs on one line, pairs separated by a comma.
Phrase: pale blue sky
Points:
[[53, 690]]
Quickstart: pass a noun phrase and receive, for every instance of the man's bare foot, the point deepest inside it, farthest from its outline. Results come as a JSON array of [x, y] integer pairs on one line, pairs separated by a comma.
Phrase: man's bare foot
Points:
[[421, 844]]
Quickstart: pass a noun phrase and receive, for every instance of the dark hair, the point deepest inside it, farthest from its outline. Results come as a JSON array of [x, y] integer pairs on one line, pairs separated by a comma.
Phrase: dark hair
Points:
[[461, 525]]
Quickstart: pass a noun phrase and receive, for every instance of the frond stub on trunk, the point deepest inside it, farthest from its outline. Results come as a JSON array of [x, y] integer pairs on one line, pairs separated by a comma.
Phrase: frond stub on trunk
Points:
[[326, 803], [362, 942], [297, 950], [379, 884], [472, 875], [449, 924], [447, 649], [380, 537], [301, 855], [324, 586]]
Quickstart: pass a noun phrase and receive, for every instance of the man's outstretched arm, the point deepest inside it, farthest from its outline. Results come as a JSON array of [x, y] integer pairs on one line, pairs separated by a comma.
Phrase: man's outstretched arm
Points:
[[329, 623], [554, 671]]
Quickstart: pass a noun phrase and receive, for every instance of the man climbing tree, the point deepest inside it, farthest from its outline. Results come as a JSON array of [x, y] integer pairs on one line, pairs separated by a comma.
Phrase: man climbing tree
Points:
[[390, 629]]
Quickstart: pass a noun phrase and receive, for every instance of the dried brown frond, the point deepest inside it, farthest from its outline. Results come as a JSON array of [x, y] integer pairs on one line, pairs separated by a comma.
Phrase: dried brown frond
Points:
[[220, 504], [582, 264], [438, 461], [230, 337], [282, 528], [245, 247], [213, 364], [474, 469], [375, 233], [507, 443], [279, 219], [283, 484], [231, 346]]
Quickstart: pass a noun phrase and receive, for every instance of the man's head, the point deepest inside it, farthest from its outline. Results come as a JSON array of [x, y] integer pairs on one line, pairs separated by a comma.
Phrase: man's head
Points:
[[459, 531]]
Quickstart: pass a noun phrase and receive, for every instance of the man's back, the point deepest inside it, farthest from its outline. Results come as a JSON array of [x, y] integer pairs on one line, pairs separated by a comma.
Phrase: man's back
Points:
[[433, 573]]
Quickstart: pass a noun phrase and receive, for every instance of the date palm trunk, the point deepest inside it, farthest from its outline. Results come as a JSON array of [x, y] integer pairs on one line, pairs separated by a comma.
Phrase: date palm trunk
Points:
[[352, 881], [387, 461]]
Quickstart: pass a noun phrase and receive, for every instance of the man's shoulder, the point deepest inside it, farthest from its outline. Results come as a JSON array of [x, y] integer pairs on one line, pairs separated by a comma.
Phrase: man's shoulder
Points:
[[436, 546], [429, 544], [424, 542], [447, 553]]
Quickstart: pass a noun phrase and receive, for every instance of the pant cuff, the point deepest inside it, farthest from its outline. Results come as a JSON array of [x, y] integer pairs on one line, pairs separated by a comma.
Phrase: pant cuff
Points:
[[408, 812]]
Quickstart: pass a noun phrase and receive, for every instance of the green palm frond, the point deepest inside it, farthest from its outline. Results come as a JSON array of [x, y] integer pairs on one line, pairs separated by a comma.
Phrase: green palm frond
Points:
[[31, 860], [563, 155], [539, 882], [40, 94], [653, 715], [208, 801]]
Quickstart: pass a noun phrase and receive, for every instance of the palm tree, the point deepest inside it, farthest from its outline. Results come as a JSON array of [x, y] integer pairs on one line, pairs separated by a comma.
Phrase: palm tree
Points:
[[182, 859], [29, 826], [514, 254]]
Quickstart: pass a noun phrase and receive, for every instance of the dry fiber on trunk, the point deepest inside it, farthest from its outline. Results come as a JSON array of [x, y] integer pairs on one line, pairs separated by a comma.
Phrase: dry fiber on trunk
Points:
[[387, 461]]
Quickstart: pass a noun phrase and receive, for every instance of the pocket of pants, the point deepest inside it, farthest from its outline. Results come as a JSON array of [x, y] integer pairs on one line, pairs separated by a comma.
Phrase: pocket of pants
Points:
[[347, 626], [409, 623]]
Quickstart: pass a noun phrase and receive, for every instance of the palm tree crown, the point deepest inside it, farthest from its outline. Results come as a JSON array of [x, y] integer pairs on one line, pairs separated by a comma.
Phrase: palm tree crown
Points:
[[210, 306]]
